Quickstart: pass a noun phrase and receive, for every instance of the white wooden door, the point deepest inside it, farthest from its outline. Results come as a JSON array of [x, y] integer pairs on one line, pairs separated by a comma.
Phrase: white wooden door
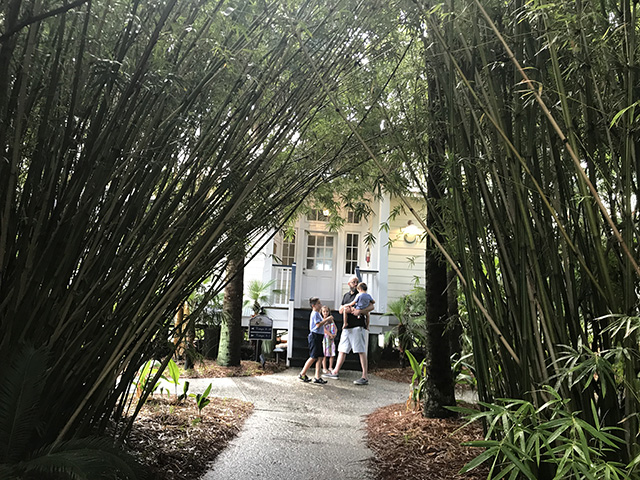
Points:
[[318, 270]]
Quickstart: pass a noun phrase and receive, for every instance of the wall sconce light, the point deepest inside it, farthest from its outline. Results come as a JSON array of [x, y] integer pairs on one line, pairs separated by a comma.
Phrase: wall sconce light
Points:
[[411, 232], [326, 212]]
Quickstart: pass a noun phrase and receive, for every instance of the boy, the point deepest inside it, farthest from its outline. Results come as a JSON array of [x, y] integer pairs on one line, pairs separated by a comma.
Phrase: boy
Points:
[[362, 301], [316, 336]]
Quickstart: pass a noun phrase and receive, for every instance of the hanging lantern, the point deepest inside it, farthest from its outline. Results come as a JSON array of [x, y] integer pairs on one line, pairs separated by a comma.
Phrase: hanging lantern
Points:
[[367, 256]]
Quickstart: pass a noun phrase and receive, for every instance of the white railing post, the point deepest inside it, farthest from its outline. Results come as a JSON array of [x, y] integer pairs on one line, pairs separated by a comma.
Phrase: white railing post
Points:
[[292, 295], [370, 277]]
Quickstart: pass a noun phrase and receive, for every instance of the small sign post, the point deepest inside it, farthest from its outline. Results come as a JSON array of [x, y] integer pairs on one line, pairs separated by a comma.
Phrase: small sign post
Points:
[[260, 328]]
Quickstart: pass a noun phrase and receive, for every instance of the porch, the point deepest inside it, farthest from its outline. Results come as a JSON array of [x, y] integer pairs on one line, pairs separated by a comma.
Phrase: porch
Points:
[[295, 321]]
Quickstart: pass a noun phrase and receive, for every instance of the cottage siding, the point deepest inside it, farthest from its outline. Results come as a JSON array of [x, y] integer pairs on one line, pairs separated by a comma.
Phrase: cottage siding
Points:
[[401, 270], [259, 268]]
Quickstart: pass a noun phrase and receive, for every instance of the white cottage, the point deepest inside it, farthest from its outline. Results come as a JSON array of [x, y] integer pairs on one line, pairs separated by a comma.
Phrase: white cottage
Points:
[[318, 263]]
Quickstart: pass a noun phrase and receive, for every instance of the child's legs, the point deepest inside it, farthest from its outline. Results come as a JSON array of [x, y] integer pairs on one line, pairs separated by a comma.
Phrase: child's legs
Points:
[[318, 365], [332, 361], [324, 363], [307, 365]]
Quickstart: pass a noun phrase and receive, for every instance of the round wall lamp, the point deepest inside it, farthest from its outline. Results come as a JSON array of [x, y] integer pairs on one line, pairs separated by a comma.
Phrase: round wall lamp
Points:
[[410, 232]]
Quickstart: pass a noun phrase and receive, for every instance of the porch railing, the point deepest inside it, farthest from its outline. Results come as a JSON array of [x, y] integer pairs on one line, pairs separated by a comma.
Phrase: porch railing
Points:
[[282, 285], [370, 277]]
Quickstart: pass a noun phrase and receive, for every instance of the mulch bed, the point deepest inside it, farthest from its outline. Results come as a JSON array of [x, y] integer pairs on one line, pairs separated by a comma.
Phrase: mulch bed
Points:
[[394, 374], [175, 441], [247, 368], [411, 447]]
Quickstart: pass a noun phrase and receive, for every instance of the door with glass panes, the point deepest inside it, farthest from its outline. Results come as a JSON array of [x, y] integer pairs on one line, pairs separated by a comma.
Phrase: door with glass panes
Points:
[[318, 270]]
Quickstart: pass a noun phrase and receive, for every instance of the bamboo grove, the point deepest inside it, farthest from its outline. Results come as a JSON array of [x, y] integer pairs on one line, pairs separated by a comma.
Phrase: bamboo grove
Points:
[[545, 242], [143, 145], [146, 144]]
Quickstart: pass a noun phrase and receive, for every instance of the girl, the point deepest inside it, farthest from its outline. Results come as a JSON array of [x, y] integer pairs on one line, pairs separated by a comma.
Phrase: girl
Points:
[[328, 344]]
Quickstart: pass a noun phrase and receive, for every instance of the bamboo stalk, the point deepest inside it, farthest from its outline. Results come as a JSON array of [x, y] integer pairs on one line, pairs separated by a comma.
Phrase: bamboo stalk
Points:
[[563, 138]]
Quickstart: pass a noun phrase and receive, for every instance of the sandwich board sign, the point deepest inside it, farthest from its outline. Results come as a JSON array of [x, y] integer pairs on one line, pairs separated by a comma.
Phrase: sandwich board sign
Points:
[[260, 328]]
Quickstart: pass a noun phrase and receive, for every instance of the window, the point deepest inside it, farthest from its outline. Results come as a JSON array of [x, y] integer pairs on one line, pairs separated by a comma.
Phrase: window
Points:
[[353, 217], [284, 250], [320, 252], [288, 251], [353, 239], [316, 215]]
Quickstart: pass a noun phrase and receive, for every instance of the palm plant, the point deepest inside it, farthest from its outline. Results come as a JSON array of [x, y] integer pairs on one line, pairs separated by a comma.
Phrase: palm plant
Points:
[[257, 294], [409, 332], [21, 423]]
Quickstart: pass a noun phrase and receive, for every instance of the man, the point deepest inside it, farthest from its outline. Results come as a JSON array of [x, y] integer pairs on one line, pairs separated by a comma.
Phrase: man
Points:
[[355, 336]]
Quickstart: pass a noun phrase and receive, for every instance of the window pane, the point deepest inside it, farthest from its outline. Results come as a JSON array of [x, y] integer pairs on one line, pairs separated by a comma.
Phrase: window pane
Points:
[[310, 263], [312, 240], [351, 252], [328, 264], [310, 251], [319, 252], [329, 242]]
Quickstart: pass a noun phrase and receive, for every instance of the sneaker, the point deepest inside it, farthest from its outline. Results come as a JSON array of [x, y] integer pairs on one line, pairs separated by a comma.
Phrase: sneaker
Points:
[[319, 380], [325, 371], [304, 378], [330, 375], [361, 381]]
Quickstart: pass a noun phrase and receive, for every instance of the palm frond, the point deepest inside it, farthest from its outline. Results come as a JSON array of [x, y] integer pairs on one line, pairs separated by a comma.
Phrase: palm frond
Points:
[[20, 392], [83, 459]]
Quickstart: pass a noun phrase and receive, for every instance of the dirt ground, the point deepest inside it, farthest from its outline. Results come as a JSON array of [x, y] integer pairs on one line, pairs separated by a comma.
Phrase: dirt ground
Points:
[[175, 441]]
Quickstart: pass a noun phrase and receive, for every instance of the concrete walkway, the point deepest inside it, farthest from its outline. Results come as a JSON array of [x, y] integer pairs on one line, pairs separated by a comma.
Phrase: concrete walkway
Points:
[[300, 430]]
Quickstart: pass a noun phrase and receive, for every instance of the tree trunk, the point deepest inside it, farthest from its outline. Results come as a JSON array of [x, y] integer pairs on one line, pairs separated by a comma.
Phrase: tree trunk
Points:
[[231, 334], [439, 391], [211, 342]]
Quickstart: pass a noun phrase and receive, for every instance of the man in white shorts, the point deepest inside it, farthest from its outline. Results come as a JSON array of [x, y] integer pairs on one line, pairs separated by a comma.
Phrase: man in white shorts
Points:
[[355, 336]]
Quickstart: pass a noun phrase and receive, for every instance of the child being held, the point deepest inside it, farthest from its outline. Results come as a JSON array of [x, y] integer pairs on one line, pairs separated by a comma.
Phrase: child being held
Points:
[[362, 301]]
